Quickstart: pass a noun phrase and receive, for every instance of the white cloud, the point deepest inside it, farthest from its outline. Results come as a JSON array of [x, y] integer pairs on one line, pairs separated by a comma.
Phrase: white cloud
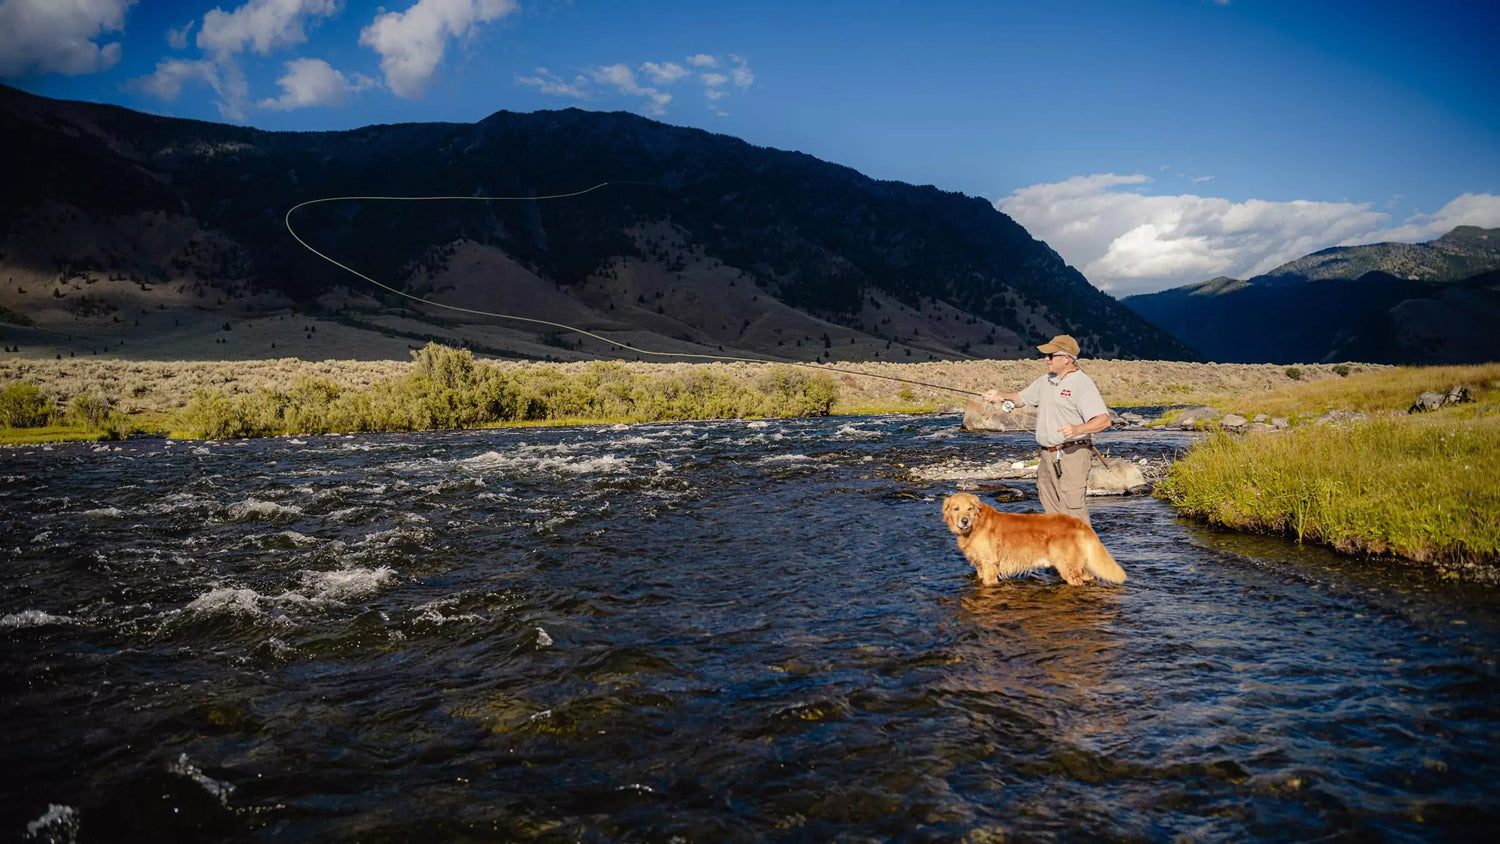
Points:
[[550, 83], [261, 25], [743, 78], [628, 81], [1127, 242], [623, 79], [171, 74], [313, 82], [665, 73], [1470, 209], [713, 86], [58, 36], [177, 39], [412, 43], [225, 78]]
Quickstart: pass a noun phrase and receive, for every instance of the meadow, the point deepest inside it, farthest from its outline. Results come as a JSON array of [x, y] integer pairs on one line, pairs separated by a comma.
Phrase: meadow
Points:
[[92, 398]]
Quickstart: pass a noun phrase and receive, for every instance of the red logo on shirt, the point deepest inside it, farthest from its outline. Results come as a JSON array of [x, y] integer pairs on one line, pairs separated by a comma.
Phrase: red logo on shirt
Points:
[[1066, 393]]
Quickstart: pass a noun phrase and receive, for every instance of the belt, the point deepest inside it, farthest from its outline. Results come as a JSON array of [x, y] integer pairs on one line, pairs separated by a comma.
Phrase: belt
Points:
[[1088, 444]]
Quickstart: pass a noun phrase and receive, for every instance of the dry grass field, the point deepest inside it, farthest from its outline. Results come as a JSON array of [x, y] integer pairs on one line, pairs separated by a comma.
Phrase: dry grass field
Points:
[[153, 388]]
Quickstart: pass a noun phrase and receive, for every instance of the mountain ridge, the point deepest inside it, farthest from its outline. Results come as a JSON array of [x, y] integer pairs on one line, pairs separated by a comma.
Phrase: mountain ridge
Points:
[[1396, 303], [883, 268]]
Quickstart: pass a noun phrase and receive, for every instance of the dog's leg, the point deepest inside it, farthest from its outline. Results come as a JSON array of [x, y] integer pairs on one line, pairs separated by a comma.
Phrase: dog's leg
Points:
[[989, 571], [1072, 571]]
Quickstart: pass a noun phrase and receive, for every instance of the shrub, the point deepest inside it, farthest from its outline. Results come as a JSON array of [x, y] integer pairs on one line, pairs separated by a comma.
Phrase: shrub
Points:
[[1294, 373], [22, 405], [90, 408]]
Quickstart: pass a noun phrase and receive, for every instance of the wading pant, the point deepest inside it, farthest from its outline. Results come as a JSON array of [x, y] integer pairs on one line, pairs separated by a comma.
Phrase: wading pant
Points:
[[1066, 494]]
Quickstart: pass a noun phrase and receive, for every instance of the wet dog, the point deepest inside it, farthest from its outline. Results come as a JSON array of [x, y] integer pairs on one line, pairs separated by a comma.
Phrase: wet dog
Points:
[[1008, 544]]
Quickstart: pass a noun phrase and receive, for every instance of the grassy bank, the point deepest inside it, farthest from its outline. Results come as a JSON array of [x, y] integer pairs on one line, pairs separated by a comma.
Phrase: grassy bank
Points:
[[154, 397], [1420, 486]]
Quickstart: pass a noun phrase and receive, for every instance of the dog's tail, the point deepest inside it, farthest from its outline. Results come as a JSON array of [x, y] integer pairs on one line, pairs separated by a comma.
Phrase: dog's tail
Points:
[[1101, 564]]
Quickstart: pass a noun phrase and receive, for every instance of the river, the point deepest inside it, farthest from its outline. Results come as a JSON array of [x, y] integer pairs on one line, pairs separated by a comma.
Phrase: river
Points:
[[727, 631]]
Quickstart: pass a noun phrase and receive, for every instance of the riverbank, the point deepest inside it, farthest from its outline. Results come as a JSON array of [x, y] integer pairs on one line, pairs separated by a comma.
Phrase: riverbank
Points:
[[154, 396], [1383, 481]]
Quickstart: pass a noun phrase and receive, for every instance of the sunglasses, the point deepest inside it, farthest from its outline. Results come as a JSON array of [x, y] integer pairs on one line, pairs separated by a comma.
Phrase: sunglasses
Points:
[[1051, 355]]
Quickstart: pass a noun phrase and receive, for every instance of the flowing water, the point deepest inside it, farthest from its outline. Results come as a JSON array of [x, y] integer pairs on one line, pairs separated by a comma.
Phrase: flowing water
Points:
[[729, 631]]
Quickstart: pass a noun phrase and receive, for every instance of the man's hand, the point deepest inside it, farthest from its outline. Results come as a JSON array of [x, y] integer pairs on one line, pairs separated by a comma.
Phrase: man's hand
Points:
[[1092, 426]]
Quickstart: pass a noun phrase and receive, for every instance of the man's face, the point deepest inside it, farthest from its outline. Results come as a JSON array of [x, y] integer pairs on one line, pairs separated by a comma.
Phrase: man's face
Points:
[[1058, 363]]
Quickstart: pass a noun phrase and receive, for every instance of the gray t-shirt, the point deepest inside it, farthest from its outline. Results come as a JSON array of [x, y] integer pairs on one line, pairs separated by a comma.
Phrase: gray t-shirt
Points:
[[1070, 400]]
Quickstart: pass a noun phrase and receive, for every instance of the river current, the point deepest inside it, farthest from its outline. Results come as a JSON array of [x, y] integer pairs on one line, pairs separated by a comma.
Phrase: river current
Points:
[[728, 631]]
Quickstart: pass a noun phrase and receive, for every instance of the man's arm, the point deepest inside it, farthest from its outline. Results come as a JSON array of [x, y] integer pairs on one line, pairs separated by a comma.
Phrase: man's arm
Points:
[[998, 396], [1092, 426]]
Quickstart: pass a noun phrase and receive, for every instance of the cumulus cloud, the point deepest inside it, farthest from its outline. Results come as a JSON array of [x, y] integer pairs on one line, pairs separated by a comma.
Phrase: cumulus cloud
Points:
[[1128, 242], [313, 82], [703, 60], [411, 44], [1470, 209], [261, 27], [59, 36]]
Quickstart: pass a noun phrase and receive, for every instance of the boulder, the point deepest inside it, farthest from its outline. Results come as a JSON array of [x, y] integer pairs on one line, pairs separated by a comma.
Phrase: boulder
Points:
[[981, 415], [1193, 418], [1460, 394], [1121, 477], [1233, 420], [1425, 402]]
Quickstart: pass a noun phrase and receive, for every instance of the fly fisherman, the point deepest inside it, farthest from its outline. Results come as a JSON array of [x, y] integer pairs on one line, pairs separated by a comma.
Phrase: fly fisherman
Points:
[[1069, 411]]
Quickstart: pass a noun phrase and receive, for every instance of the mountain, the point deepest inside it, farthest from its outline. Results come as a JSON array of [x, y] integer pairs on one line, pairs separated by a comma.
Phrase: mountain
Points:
[[1400, 303], [123, 227]]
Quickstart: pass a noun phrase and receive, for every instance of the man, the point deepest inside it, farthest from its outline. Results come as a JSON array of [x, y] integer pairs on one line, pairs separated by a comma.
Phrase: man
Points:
[[1069, 411]]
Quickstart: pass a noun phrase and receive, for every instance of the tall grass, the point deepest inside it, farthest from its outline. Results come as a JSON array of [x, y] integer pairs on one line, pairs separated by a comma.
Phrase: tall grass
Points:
[[1424, 487], [447, 388]]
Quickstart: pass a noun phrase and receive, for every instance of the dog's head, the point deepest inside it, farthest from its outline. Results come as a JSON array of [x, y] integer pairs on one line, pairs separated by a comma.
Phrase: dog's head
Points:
[[961, 512]]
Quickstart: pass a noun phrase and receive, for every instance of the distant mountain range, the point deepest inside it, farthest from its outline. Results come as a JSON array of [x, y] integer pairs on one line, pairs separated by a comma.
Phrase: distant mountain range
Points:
[[120, 227], [1401, 303]]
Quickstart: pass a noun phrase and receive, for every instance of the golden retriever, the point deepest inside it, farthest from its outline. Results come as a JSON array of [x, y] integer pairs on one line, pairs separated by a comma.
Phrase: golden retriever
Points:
[[1007, 544]]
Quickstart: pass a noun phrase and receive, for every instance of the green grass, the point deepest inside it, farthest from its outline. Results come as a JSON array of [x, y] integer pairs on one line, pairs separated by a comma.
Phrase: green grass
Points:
[[53, 434], [1424, 487]]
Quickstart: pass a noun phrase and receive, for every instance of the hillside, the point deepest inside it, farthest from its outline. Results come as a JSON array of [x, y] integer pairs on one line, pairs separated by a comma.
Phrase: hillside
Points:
[[136, 235], [1397, 303]]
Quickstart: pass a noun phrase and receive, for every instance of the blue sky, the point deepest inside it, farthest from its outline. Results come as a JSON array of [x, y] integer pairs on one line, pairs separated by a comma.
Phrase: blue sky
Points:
[[1150, 143]]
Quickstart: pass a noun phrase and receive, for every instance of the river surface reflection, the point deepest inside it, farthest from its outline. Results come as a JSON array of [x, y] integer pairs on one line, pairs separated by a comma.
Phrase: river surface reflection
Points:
[[701, 632]]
